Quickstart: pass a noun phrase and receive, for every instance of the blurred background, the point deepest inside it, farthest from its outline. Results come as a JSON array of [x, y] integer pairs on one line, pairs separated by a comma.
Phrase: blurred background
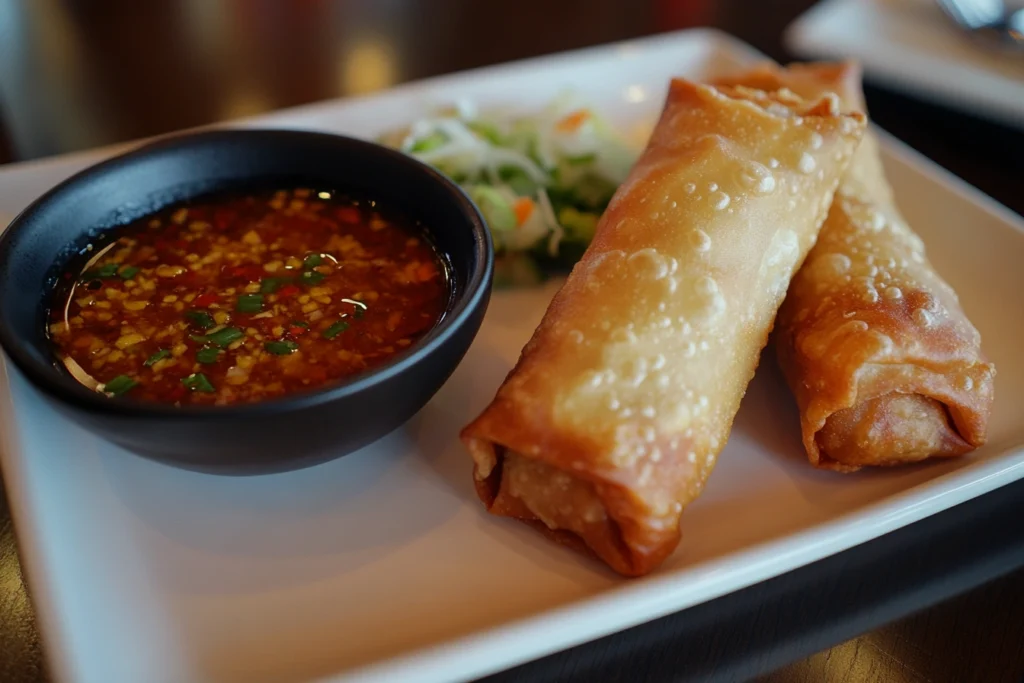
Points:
[[80, 73], [76, 74]]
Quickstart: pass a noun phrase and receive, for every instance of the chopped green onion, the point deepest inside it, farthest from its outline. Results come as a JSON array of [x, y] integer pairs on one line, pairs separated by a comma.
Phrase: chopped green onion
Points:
[[201, 319], [225, 336], [207, 355], [312, 261], [219, 338], [119, 385], [249, 303], [360, 312], [156, 357], [335, 329], [101, 272], [281, 348], [311, 277], [128, 272], [272, 284], [299, 323], [197, 382]]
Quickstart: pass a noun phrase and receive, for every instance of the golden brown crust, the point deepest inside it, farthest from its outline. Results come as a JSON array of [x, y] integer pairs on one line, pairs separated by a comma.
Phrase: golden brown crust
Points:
[[612, 419], [869, 330], [865, 176], [875, 320]]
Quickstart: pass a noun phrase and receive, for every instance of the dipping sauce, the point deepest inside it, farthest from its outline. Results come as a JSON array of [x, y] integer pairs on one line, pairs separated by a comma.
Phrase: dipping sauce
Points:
[[241, 298]]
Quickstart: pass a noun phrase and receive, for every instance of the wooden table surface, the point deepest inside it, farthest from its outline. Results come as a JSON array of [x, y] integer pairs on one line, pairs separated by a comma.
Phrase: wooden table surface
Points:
[[75, 74]]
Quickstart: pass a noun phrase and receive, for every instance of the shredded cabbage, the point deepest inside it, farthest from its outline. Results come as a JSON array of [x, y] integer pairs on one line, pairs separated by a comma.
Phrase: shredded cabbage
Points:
[[541, 181]]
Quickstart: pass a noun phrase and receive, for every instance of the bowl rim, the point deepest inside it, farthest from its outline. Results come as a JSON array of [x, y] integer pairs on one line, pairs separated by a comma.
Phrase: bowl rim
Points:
[[472, 293]]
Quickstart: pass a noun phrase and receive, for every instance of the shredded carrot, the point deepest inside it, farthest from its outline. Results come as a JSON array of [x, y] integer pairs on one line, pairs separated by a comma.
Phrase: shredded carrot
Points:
[[523, 207], [571, 122]]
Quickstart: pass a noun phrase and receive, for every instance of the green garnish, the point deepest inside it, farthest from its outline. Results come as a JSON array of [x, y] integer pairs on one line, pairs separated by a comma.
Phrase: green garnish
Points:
[[201, 319], [495, 208], [107, 271], [207, 355], [119, 385], [360, 312], [579, 225], [128, 272], [518, 180], [335, 329], [249, 303], [591, 191], [569, 188], [197, 382], [581, 159], [311, 277], [272, 284], [312, 261], [281, 348], [156, 357], [488, 131], [432, 141], [219, 338], [299, 323]]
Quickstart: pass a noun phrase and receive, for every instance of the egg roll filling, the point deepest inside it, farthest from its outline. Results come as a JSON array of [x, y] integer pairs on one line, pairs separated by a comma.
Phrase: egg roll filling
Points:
[[891, 429], [568, 508]]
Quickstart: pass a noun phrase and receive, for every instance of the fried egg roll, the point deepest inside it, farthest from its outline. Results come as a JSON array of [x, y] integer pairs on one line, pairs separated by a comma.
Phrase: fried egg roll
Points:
[[885, 365], [611, 421]]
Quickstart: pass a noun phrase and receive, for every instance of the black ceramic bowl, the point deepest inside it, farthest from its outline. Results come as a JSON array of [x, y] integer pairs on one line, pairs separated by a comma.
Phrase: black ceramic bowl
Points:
[[275, 435]]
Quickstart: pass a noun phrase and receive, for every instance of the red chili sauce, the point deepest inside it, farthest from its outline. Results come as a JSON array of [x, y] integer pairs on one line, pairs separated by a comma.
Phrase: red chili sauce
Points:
[[242, 298]]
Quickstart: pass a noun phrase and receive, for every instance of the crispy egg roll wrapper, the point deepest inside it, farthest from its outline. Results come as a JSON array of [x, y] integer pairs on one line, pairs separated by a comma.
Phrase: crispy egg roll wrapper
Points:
[[885, 365], [611, 420]]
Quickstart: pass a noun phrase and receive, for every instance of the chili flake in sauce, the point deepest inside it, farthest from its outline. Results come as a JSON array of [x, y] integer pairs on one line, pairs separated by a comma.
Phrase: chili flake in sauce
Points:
[[242, 298]]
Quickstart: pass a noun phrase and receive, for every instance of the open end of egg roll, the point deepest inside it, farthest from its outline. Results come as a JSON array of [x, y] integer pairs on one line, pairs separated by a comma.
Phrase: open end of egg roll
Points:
[[885, 365], [565, 508], [889, 430], [568, 509]]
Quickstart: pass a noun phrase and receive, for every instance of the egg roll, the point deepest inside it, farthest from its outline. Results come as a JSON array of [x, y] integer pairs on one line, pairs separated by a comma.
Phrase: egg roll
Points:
[[884, 363], [610, 422]]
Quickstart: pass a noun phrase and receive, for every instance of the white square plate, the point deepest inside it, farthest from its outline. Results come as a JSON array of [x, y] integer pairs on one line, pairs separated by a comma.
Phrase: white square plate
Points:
[[909, 45], [383, 565]]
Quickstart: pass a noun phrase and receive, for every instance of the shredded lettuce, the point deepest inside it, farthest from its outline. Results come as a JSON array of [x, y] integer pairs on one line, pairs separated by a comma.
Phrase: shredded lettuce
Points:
[[541, 181], [494, 206]]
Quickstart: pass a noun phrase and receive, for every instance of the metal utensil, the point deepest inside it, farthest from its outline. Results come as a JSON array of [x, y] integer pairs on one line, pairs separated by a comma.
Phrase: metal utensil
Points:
[[990, 20]]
